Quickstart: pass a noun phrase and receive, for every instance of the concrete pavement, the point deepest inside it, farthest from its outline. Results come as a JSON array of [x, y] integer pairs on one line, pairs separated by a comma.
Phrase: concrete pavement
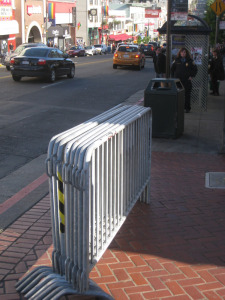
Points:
[[171, 249]]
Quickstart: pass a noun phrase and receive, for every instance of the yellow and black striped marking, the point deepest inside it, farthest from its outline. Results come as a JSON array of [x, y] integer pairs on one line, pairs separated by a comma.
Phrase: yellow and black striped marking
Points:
[[61, 203]]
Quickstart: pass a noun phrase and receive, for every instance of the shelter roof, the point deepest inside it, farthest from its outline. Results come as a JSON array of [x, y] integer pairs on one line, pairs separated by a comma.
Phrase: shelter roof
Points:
[[193, 25]]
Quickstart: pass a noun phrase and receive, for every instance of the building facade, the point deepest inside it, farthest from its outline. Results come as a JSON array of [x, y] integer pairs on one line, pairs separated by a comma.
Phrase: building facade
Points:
[[51, 22], [9, 27], [60, 30], [91, 19]]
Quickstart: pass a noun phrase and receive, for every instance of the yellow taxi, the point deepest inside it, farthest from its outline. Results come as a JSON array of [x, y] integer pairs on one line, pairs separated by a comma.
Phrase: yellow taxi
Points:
[[129, 55]]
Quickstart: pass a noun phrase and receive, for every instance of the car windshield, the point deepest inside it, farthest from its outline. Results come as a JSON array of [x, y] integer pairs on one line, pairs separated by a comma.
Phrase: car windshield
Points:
[[35, 52], [88, 47], [127, 49], [19, 49], [97, 46], [145, 46]]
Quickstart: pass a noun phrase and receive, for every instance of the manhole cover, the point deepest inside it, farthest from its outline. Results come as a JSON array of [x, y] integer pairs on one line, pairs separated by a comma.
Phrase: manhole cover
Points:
[[215, 180]]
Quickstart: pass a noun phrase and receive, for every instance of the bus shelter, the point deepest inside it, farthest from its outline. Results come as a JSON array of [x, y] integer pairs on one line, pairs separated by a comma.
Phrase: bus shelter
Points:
[[193, 34]]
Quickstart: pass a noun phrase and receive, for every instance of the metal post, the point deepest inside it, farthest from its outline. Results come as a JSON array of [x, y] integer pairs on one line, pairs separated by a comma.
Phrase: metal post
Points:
[[74, 14], [168, 39], [102, 19], [216, 36], [46, 23]]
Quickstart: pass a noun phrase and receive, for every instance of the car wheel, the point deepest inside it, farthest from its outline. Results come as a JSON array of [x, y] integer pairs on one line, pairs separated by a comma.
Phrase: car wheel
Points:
[[8, 68], [100, 52], [71, 73], [52, 75], [16, 78], [114, 66]]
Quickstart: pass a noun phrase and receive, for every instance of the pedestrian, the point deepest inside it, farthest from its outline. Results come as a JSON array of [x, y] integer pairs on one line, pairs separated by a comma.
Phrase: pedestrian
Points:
[[216, 71], [11, 47], [159, 60], [113, 48], [184, 68]]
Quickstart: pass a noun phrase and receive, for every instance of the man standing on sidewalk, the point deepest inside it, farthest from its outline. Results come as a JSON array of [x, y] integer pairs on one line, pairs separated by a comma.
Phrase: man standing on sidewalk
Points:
[[159, 60]]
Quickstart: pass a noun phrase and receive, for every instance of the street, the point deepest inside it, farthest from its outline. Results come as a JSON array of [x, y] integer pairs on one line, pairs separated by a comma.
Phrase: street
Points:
[[34, 110]]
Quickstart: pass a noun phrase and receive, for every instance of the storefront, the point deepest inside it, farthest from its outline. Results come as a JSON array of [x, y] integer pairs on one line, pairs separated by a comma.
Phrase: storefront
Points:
[[58, 36], [8, 26], [62, 17]]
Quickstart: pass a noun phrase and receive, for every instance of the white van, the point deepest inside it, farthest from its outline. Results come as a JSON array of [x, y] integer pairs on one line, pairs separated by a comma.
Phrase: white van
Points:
[[101, 48]]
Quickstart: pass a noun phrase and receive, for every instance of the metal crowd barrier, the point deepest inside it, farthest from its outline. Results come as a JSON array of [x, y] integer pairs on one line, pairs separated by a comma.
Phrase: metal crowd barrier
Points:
[[97, 171]]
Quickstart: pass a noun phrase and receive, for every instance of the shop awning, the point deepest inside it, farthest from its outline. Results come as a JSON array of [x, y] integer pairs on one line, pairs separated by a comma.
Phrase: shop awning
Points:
[[119, 37], [9, 27]]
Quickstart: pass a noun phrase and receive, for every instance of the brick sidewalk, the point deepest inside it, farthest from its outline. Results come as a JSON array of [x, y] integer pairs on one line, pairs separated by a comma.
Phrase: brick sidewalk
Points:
[[171, 249]]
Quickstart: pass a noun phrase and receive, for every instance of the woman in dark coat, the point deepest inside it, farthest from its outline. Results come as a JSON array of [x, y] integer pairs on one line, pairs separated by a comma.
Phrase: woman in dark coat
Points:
[[185, 69], [216, 71]]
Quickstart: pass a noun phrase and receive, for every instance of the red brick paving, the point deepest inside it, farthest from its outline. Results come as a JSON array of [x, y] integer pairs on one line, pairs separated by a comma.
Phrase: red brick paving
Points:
[[172, 249]]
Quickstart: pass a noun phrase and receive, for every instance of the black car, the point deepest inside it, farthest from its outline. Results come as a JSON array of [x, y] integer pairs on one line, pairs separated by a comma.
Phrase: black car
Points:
[[18, 50], [154, 44], [42, 62], [147, 49]]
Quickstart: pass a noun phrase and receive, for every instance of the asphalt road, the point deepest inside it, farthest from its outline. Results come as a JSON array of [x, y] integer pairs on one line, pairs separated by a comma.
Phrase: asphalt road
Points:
[[33, 111]]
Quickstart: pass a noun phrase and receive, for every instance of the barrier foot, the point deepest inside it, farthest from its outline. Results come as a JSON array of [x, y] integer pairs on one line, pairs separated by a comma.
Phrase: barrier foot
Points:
[[42, 285], [93, 291], [21, 284]]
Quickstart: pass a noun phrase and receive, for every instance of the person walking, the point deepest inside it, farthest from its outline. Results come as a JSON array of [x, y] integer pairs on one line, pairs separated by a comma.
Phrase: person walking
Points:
[[159, 60], [216, 71], [11, 47], [184, 68]]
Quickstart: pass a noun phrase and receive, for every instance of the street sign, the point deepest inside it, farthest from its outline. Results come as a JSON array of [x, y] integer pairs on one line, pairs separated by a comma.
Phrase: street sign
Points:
[[218, 7]]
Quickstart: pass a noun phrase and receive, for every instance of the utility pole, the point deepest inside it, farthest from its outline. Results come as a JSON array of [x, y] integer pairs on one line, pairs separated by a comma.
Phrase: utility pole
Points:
[[168, 48], [74, 17], [102, 19], [46, 23], [217, 24]]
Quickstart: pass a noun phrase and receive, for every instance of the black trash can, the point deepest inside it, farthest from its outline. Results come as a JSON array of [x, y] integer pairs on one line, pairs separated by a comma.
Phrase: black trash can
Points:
[[166, 99]]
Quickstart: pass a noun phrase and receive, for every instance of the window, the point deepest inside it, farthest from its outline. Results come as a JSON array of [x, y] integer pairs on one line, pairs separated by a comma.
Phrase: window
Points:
[[60, 53], [35, 52], [128, 49], [53, 54]]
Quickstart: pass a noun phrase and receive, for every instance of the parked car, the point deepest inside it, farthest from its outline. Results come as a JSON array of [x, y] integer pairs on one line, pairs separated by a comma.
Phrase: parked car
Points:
[[41, 62], [129, 56], [101, 48], [18, 50], [154, 44], [90, 50], [76, 51], [148, 49]]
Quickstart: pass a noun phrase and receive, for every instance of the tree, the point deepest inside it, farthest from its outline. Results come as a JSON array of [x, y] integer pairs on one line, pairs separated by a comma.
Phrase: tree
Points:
[[210, 18]]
